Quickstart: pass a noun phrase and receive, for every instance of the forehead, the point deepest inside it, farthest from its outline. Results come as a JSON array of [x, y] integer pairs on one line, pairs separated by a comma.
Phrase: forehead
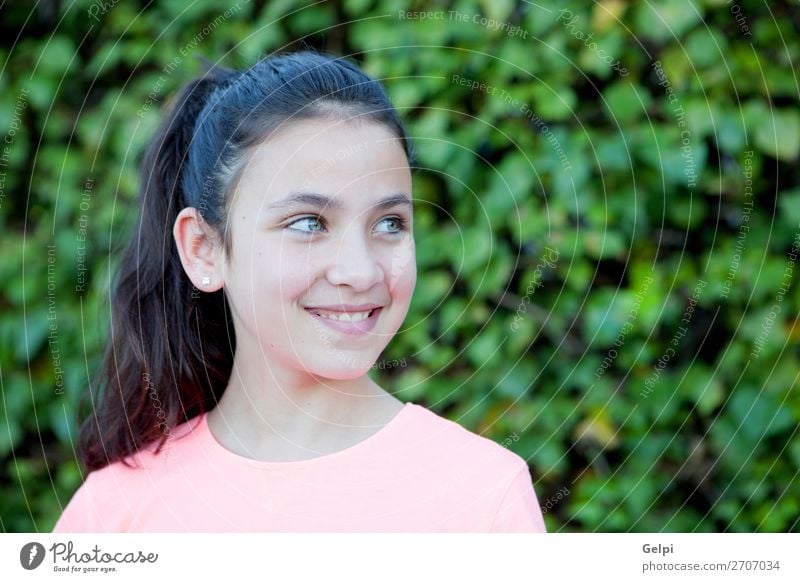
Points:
[[332, 157]]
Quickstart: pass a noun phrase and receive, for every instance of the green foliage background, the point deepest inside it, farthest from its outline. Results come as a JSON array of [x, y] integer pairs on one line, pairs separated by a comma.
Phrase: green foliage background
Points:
[[562, 217]]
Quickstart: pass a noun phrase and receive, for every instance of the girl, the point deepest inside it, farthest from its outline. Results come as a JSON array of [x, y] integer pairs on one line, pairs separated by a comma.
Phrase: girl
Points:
[[272, 262]]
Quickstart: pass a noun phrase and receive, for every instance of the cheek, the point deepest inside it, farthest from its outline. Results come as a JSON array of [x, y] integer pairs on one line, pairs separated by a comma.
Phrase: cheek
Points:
[[402, 268], [273, 276], [290, 273]]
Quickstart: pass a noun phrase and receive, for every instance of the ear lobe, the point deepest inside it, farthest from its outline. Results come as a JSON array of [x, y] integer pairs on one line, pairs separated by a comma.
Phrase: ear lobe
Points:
[[199, 249]]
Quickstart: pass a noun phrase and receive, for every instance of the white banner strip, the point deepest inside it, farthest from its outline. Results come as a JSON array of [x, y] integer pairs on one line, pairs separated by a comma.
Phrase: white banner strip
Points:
[[400, 557]]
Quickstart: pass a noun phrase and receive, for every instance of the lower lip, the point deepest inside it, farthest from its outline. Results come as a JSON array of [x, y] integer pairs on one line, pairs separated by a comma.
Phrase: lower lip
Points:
[[348, 327]]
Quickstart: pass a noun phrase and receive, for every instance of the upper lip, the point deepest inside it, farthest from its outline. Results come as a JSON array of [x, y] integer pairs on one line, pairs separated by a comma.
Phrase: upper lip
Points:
[[346, 307]]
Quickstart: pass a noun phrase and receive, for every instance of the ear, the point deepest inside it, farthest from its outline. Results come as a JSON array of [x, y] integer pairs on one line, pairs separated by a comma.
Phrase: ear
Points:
[[200, 250]]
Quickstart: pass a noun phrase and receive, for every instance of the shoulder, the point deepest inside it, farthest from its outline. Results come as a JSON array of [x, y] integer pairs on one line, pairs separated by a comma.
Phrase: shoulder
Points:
[[441, 436], [483, 486], [109, 497]]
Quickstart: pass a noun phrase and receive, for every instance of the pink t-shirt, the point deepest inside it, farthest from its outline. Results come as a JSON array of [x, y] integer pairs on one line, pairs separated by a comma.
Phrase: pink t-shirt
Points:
[[419, 473]]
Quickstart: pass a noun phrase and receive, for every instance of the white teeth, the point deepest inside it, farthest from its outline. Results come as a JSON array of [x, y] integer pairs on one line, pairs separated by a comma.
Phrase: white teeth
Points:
[[350, 317]]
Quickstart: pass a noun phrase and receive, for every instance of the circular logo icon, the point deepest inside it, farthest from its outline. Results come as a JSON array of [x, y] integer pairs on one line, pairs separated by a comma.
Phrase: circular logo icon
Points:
[[31, 555]]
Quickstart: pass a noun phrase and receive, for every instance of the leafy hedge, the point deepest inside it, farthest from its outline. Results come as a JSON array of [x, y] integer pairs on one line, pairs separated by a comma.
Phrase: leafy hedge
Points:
[[607, 223]]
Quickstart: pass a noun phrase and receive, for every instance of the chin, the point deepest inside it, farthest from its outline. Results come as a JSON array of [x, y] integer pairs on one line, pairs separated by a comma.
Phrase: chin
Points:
[[341, 369]]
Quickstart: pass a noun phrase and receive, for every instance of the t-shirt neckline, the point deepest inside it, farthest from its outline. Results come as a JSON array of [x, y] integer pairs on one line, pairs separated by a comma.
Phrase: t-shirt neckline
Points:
[[217, 449]]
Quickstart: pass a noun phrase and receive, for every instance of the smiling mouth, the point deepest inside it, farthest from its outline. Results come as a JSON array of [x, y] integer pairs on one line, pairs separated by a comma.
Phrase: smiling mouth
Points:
[[344, 316], [354, 324]]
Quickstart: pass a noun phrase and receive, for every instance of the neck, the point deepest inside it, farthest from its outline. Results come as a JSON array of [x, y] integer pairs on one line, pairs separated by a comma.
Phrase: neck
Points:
[[269, 412]]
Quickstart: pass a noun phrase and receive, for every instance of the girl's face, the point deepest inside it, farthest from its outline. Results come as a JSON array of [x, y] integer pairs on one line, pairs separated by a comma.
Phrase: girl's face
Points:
[[323, 266]]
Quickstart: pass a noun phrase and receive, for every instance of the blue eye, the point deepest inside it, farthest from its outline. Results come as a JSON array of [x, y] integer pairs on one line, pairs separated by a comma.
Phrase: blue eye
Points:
[[400, 222], [315, 219]]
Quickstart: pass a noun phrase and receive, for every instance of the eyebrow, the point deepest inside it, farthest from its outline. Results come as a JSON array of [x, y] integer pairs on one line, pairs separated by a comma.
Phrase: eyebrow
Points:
[[320, 201]]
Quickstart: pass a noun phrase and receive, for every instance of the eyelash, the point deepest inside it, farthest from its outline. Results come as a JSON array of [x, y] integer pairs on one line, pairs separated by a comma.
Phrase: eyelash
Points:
[[401, 224]]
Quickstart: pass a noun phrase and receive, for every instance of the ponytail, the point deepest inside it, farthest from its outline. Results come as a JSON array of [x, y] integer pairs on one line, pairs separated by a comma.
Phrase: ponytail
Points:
[[171, 348]]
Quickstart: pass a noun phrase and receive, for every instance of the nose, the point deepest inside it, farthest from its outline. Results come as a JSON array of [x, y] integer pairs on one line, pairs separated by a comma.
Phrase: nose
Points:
[[354, 262]]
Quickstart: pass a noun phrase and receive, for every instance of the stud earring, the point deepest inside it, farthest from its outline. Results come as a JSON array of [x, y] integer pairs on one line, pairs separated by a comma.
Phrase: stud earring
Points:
[[206, 280]]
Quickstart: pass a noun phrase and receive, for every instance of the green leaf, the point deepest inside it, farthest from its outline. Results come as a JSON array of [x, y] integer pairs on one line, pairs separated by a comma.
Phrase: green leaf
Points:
[[478, 247], [429, 292], [554, 103], [778, 135], [625, 102], [510, 186], [789, 202], [498, 10], [485, 347], [57, 56], [614, 151], [665, 20], [517, 381], [703, 388], [705, 47]]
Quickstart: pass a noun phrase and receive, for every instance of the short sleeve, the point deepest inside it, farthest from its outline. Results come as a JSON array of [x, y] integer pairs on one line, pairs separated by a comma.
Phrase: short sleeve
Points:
[[77, 515], [519, 509]]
